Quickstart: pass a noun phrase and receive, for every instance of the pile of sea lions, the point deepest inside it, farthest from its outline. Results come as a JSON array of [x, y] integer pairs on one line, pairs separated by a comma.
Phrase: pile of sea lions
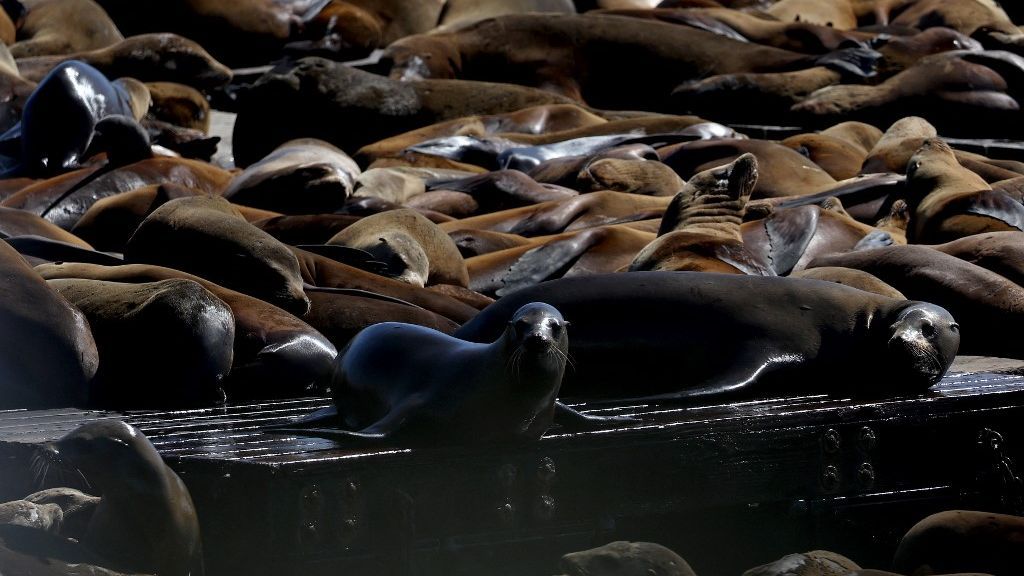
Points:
[[451, 215]]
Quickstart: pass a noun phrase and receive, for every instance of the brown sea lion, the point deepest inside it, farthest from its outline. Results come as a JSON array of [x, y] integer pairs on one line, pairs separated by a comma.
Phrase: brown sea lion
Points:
[[849, 277], [304, 176], [180, 105], [740, 336], [207, 237], [126, 318], [276, 355], [948, 201], [576, 213], [40, 197], [149, 58], [961, 541], [701, 227], [48, 353], [145, 521], [59, 27], [983, 302], [414, 249]]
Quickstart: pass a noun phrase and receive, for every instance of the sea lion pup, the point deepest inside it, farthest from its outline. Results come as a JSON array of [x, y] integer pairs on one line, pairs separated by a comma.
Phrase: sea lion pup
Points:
[[276, 355], [782, 171], [414, 249], [180, 105], [625, 559], [983, 302], [961, 541], [315, 98], [701, 227], [948, 201], [738, 336], [949, 88], [148, 57], [145, 521], [207, 237], [57, 27], [849, 277], [48, 352], [305, 176], [127, 318], [566, 215], [649, 57], [413, 384]]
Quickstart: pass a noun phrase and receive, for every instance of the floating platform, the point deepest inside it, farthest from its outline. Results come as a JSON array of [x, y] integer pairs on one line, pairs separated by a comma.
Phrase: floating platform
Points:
[[728, 486]]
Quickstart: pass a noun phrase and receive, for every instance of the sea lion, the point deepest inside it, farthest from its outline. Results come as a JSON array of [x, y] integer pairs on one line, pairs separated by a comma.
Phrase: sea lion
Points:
[[48, 352], [502, 391], [180, 105], [206, 236], [701, 227], [276, 355], [145, 521], [983, 302], [414, 249], [126, 318], [649, 57], [148, 58], [962, 541], [316, 98], [305, 176], [64, 27], [849, 277], [949, 201], [738, 336], [625, 559]]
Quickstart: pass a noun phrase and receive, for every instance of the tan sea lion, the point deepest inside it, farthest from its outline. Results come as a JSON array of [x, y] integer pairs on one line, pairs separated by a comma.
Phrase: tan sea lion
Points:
[[59, 27], [414, 249]]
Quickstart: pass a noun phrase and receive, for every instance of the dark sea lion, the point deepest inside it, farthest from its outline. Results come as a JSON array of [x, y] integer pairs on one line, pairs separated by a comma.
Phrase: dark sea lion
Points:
[[576, 213], [180, 105], [816, 563], [276, 355], [701, 227], [323, 272], [340, 316], [126, 318], [146, 520], [948, 201], [649, 57], [1000, 252], [316, 98], [207, 237], [782, 171], [20, 223], [309, 229], [983, 302], [148, 57], [625, 559], [961, 541], [849, 277], [503, 391], [49, 355], [64, 27], [39, 198], [305, 176], [414, 249], [737, 336]]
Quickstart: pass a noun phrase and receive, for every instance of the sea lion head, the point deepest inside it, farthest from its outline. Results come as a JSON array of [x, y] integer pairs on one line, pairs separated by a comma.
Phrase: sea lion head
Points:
[[923, 341], [539, 328], [109, 453]]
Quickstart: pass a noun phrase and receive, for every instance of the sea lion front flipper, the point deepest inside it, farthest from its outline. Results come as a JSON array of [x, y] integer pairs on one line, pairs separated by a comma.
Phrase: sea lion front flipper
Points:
[[545, 262], [571, 419]]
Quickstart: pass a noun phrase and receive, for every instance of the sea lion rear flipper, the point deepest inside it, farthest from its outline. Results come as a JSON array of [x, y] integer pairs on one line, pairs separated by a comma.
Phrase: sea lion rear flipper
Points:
[[547, 261], [573, 420]]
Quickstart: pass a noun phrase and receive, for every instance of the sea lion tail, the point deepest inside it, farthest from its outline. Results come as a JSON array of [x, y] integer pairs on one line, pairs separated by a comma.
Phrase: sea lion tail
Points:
[[859, 61]]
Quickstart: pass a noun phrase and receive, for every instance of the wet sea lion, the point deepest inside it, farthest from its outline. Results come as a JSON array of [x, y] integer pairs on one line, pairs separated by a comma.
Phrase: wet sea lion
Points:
[[849, 277], [207, 237], [305, 176], [49, 355], [276, 355], [503, 391], [145, 521], [414, 249], [983, 302], [64, 27], [737, 336], [125, 318]]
